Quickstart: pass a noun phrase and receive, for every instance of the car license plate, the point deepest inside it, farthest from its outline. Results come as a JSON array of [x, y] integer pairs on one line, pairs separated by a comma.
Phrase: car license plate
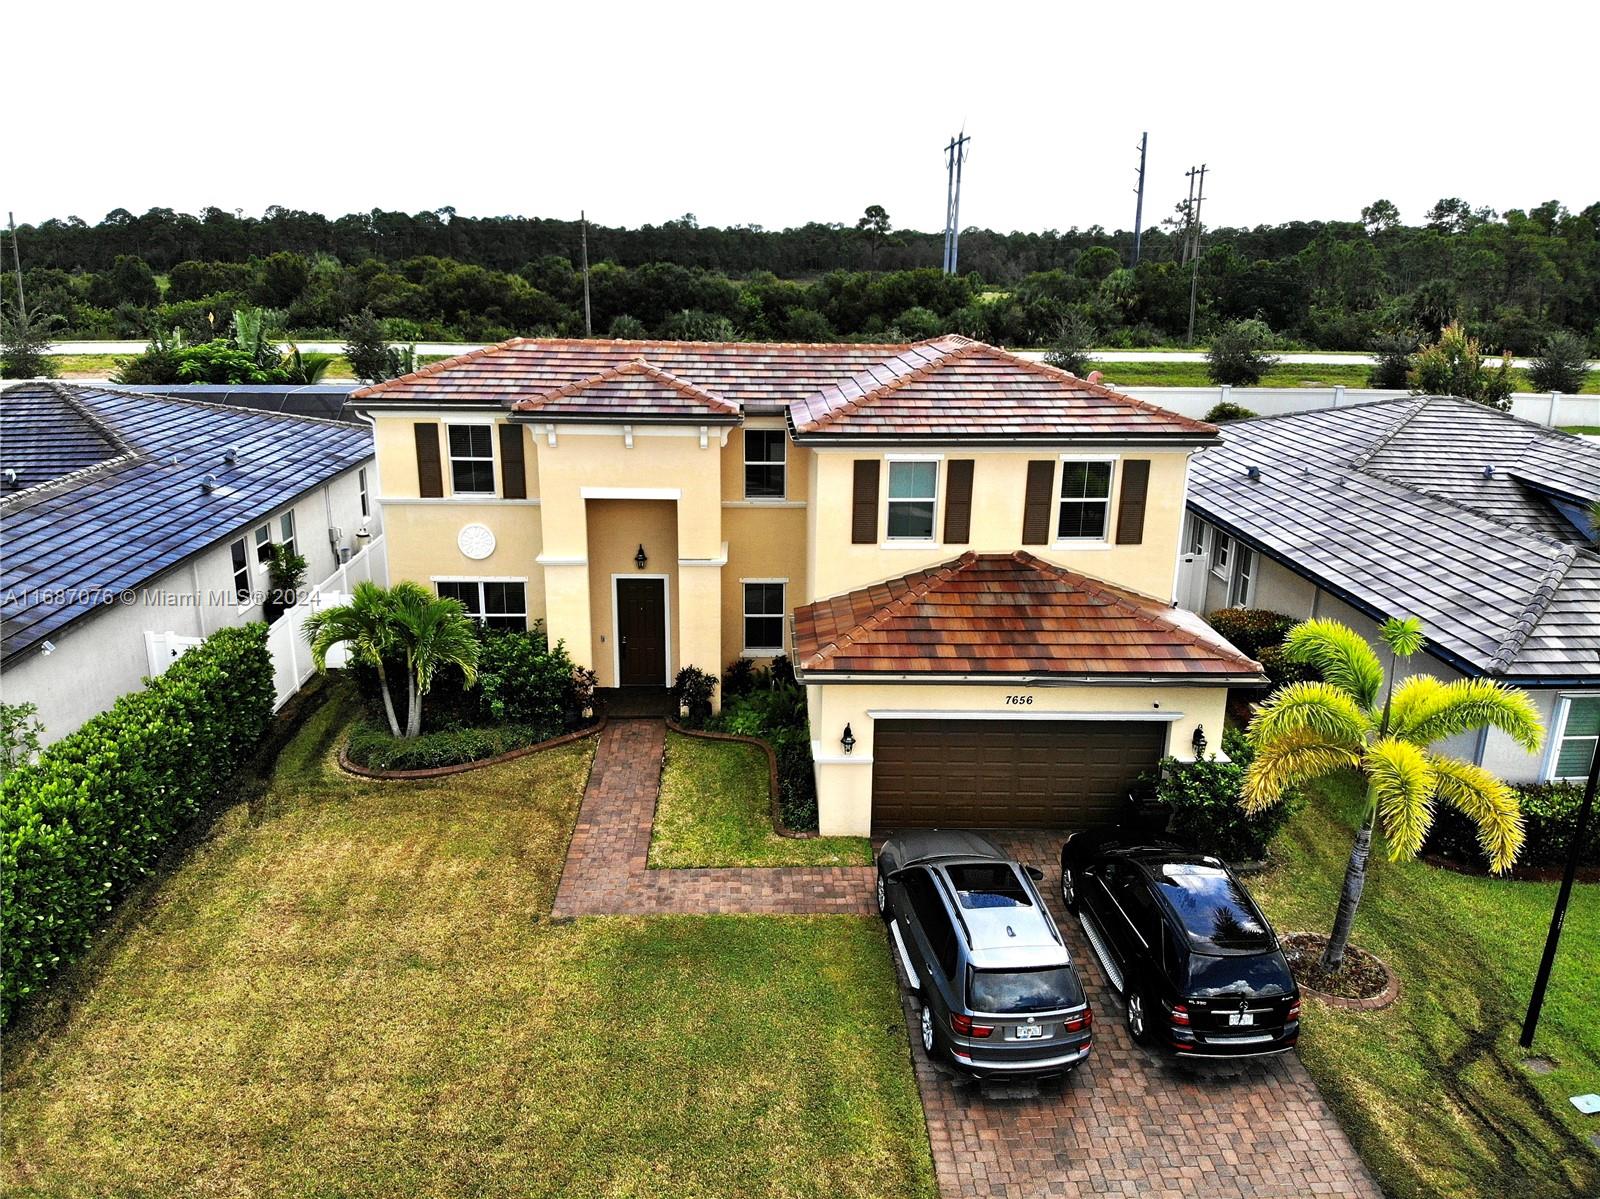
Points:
[[1029, 1032], [1238, 1019]]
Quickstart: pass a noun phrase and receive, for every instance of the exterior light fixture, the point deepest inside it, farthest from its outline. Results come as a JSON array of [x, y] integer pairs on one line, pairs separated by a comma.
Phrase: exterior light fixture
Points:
[[639, 559], [848, 741], [1199, 740], [49, 647]]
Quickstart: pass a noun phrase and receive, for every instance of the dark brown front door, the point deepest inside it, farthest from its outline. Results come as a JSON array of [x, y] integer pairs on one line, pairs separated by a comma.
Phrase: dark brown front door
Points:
[[1007, 774], [642, 632]]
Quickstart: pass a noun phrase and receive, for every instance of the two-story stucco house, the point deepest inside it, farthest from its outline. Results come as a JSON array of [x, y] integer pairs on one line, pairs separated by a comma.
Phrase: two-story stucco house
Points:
[[970, 557]]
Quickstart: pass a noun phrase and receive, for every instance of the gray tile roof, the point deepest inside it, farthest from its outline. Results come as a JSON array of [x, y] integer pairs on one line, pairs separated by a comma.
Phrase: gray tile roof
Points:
[[48, 434], [1377, 503], [118, 522]]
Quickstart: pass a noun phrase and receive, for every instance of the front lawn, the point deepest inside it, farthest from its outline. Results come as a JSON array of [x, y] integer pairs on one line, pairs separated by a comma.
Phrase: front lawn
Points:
[[355, 990], [1434, 1091], [714, 810]]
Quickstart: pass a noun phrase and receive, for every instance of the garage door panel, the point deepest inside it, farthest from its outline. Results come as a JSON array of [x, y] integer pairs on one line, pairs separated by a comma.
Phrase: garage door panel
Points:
[[1008, 774]]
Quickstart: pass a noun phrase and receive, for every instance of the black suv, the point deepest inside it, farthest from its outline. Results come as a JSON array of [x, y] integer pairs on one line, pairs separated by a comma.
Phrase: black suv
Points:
[[1000, 998], [1196, 964]]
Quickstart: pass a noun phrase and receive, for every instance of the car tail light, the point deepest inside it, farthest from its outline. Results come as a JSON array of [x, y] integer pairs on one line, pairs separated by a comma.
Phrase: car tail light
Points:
[[965, 1026], [1294, 1010], [1180, 1015], [1081, 1021]]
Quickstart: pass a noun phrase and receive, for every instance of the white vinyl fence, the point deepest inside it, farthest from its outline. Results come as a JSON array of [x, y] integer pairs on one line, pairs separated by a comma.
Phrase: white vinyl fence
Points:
[[1548, 408], [286, 639]]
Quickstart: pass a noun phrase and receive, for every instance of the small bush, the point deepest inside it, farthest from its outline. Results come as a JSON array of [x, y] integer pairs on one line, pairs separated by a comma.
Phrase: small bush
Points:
[[527, 682], [797, 785], [1279, 670], [1392, 370], [691, 692], [372, 746], [1549, 815], [739, 679], [777, 715], [1069, 349], [1226, 411], [1206, 813], [91, 817], [1454, 366], [1252, 629], [1562, 365], [1238, 355]]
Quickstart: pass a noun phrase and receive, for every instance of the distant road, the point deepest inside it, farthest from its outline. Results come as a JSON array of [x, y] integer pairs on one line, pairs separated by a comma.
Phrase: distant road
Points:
[[450, 348]]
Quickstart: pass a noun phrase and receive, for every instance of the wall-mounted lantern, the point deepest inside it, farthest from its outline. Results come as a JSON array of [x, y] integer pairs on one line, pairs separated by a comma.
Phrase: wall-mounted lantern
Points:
[[1199, 740], [848, 741], [639, 559]]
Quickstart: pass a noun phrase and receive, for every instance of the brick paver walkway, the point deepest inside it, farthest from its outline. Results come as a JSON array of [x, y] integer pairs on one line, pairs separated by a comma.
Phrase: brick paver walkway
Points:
[[1130, 1122], [606, 872]]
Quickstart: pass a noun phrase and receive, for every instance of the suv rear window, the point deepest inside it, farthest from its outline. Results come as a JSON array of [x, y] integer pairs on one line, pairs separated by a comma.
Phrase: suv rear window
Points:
[[1003, 992], [1215, 912], [988, 885]]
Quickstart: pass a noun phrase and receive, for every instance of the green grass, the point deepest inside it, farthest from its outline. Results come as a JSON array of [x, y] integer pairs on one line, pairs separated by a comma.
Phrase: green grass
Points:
[[714, 811], [1593, 430], [1288, 374], [354, 990], [1434, 1091]]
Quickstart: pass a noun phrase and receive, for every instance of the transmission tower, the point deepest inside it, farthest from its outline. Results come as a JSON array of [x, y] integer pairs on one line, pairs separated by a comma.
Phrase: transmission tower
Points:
[[954, 155]]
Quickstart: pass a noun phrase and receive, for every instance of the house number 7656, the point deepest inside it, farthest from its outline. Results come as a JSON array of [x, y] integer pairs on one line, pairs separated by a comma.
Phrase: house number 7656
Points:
[[1019, 699]]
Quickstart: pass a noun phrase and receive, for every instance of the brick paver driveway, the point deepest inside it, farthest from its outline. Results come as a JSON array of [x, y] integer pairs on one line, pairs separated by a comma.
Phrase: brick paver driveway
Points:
[[1131, 1123]]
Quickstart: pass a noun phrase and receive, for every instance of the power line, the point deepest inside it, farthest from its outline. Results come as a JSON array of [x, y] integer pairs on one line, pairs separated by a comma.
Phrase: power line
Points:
[[1138, 211], [955, 154], [1194, 272]]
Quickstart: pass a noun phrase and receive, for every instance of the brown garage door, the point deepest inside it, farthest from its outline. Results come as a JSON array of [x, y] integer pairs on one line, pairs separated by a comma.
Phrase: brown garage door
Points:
[[1007, 774]]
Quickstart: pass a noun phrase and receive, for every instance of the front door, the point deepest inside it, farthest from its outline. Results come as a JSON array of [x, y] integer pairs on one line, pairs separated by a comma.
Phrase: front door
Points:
[[642, 632]]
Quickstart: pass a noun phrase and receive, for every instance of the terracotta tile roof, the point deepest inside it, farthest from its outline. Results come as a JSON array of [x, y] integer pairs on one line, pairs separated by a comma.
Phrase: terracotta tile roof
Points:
[[950, 387], [760, 378], [1008, 614], [955, 387], [637, 389]]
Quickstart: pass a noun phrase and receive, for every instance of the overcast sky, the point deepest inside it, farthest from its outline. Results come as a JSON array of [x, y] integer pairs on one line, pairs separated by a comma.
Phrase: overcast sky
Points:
[[778, 113]]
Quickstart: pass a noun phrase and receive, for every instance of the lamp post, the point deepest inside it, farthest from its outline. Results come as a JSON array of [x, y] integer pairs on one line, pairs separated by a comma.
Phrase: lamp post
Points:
[[1579, 835]]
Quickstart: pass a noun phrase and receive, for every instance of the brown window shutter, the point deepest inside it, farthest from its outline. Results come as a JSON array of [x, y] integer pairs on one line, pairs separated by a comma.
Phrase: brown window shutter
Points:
[[1131, 504], [864, 508], [514, 478], [430, 475], [1036, 504], [958, 502]]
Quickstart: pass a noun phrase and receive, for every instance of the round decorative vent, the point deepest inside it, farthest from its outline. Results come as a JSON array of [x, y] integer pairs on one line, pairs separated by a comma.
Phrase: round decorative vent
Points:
[[475, 541]]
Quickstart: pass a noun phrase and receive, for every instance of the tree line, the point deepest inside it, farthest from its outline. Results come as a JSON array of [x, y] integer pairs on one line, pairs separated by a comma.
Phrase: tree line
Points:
[[1512, 279]]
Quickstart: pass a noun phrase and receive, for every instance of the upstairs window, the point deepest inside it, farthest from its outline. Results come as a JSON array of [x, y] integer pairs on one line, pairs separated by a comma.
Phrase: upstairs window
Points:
[[763, 618], [1580, 735], [242, 590], [366, 497], [472, 459], [1242, 589], [1085, 501], [765, 457], [1222, 555], [1196, 541], [286, 529], [496, 603], [263, 544], [913, 497]]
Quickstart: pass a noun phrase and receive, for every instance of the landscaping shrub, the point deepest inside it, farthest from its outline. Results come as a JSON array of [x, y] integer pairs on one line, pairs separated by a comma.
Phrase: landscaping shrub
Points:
[[1252, 629], [1392, 370], [372, 746], [777, 715], [1226, 411], [1562, 365], [691, 693], [1238, 355], [797, 784], [1203, 799], [527, 682], [94, 813], [739, 679], [1549, 817]]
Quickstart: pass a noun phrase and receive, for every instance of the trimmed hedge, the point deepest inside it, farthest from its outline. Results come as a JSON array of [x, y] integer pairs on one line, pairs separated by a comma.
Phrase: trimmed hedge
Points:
[[1205, 811], [371, 745], [1550, 816], [90, 819], [1259, 632]]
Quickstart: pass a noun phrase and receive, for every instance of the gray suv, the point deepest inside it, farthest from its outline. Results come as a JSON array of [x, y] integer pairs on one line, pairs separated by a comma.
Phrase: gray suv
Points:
[[1000, 998]]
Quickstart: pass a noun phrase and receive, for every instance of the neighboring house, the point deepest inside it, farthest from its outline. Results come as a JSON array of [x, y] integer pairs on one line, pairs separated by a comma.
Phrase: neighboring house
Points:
[[1470, 519], [970, 557], [125, 518]]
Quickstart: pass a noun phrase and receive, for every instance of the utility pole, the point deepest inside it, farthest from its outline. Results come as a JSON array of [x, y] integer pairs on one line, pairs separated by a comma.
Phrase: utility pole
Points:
[[1138, 210], [1194, 272], [955, 155], [16, 257], [588, 324]]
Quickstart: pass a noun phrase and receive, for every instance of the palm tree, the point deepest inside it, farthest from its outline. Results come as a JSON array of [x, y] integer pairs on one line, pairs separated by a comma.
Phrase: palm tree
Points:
[[1307, 730], [405, 621]]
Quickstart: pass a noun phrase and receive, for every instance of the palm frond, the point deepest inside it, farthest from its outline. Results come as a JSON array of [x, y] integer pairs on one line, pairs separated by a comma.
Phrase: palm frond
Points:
[[1402, 781], [1289, 759], [1487, 802], [1425, 712], [1320, 708], [1340, 654], [1403, 635]]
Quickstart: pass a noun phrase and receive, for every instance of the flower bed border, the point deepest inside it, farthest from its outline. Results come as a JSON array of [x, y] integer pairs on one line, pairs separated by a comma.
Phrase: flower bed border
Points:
[[778, 826], [1377, 1003], [434, 772], [1517, 874]]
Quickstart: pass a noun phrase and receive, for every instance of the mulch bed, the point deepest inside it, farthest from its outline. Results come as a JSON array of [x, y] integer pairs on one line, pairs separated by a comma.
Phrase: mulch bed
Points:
[[1518, 873], [1362, 980]]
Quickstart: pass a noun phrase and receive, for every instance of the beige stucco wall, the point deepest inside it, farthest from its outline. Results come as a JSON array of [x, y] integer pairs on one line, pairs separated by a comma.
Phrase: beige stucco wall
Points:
[[422, 541], [844, 783], [763, 543], [998, 492], [617, 528]]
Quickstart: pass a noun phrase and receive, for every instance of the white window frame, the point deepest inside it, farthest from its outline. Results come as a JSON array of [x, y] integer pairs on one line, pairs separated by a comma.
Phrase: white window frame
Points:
[[754, 651], [286, 528], [483, 613], [451, 457], [1222, 556], [1242, 583], [1197, 537], [365, 494], [781, 462], [242, 586], [889, 539], [1558, 735], [1114, 461], [263, 542]]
